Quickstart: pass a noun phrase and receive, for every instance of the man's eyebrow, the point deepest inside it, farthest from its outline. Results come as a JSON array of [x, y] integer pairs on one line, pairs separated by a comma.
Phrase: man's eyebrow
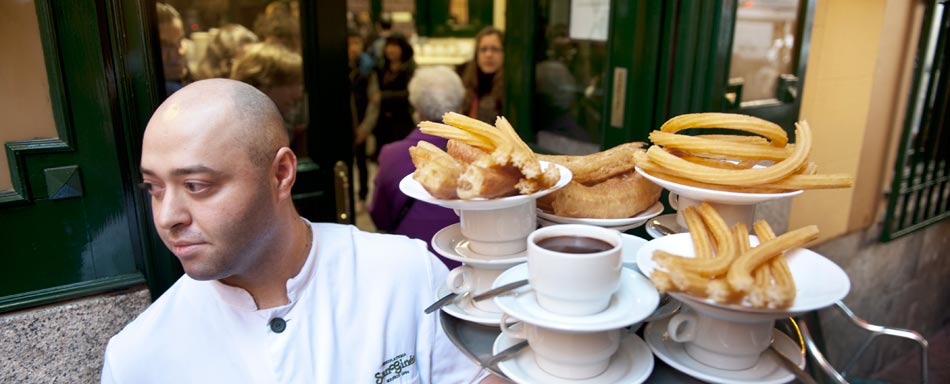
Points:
[[184, 171]]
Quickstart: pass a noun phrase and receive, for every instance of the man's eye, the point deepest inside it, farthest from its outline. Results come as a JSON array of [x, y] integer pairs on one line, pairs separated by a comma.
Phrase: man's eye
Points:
[[152, 189], [194, 187]]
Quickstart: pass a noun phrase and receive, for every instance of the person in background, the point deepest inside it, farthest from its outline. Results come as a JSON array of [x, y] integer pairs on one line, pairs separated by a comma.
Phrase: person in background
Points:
[[278, 72], [433, 92], [171, 34], [279, 24], [484, 77], [364, 106], [397, 67], [268, 296], [225, 47], [384, 29]]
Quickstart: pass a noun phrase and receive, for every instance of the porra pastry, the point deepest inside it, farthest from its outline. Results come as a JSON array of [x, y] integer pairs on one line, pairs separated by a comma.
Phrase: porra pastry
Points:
[[617, 197], [436, 171], [480, 181]]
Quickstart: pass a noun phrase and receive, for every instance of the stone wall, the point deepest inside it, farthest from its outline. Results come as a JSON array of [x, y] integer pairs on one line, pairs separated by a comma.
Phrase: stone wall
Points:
[[901, 283], [64, 342]]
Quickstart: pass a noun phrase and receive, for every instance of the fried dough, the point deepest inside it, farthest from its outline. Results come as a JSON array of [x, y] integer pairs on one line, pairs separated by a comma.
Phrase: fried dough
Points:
[[478, 180], [600, 166], [436, 171], [617, 197]]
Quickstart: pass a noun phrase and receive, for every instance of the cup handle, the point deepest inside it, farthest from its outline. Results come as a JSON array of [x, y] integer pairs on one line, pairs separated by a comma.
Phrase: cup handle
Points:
[[682, 327], [459, 280], [674, 200], [513, 332]]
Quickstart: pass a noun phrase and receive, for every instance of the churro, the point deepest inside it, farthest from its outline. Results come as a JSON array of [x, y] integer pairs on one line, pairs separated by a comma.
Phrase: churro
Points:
[[740, 272], [770, 130], [717, 148]]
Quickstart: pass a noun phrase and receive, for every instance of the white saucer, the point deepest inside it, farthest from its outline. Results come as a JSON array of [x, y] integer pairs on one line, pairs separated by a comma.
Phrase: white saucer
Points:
[[765, 371], [667, 220], [819, 282], [462, 308], [450, 243], [634, 301], [715, 196], [632, 363], [413, 189], [627, 222], [631, 245]]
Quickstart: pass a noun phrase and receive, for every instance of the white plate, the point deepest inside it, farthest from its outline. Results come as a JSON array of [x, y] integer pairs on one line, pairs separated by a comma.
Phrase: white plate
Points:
[[765, 371], [634, 221], [632, 363], [622, 228], [667, 220], [714, 196], [819, 282], [634, 301], [462, 308], [413, 189], [450, 243]]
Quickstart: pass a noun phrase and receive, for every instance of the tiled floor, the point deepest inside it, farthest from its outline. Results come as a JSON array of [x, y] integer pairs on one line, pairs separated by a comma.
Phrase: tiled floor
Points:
[[363, 221]]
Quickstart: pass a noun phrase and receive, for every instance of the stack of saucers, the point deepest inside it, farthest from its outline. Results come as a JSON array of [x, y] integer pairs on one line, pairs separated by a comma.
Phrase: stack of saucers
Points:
[[727, 342], [575, 311], [489, 238]]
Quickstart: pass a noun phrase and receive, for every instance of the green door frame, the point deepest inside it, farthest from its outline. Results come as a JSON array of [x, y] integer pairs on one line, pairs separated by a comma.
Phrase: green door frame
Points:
[[673, 54]]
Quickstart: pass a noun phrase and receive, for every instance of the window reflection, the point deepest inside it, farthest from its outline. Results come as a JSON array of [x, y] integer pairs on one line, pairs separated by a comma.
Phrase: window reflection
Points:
[[763, 47], [254, 41], [26, 109], [569, 85]]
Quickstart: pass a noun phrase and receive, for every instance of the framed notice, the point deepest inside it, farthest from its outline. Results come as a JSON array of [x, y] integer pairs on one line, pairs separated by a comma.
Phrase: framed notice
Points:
[[590, 19]]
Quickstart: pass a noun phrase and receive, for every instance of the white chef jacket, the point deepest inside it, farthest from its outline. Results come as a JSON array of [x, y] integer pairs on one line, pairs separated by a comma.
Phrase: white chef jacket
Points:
[[355, 316]]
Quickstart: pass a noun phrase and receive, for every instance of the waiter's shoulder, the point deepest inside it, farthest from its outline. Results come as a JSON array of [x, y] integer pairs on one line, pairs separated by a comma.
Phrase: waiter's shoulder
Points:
[[395, 248]]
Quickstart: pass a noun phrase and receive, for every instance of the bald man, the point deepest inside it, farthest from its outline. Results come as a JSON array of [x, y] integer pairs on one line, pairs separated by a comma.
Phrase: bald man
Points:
[[269, 297]]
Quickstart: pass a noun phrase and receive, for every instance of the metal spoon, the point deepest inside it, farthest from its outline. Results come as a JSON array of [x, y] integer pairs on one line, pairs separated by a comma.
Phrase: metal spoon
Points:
[[666, 231], [508, 352], [499, 290], [790, 365], [441, 302]]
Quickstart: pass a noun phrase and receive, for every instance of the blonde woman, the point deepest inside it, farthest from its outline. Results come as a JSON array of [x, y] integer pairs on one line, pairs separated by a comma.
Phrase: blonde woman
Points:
[[226, 45]]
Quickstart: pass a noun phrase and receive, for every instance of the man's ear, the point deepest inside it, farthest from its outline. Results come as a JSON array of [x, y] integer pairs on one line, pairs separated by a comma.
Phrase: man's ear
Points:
[[284, 172]]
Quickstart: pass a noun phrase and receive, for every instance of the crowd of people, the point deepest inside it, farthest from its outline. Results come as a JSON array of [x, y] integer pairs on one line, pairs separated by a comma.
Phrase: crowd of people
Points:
[[389, 95]]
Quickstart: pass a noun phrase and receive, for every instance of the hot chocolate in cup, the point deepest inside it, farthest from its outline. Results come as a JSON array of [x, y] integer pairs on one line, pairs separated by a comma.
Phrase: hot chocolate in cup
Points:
[[499, 232], [731, 213], [568, 355], [720, 343], [474, 280], [574, 269]]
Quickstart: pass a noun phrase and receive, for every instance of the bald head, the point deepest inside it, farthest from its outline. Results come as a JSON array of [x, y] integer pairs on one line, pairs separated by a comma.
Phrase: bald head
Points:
[[231, 111]]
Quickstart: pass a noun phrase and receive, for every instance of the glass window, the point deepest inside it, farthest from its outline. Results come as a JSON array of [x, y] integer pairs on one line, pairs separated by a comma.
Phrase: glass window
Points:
[[26, 107], [763, 47], [569, 83], [254, 41]]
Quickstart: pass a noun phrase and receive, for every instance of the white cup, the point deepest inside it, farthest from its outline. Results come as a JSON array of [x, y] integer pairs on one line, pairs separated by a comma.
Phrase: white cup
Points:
[[499, 232], [574, 284], [568, 355], [731, 213], [469, 279], [721, 343]]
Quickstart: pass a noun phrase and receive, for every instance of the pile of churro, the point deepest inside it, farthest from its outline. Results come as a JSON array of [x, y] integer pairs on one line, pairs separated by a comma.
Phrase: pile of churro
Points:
[[727, 162], [726, 268], [483, 161], [605, 185]]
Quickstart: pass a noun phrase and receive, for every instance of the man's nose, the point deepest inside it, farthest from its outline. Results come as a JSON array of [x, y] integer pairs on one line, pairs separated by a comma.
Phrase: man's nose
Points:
[[170, 212]]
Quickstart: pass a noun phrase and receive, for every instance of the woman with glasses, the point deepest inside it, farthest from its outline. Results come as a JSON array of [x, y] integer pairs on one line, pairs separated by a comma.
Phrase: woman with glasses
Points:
[[483, 76]]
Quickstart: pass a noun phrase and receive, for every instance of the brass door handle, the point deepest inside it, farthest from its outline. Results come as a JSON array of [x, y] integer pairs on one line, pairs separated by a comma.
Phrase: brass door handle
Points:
[[341, 186]]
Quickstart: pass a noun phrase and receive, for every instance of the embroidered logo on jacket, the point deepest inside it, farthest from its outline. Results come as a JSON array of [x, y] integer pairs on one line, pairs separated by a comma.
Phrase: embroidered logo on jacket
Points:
[[395, 368]]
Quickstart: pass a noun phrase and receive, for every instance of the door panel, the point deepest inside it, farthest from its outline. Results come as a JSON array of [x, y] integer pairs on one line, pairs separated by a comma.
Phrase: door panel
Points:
[[768, 57], [65, 222]]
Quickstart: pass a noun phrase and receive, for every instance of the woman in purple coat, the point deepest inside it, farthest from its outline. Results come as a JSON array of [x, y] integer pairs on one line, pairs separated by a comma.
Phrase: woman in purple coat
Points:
[[433, 91]]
